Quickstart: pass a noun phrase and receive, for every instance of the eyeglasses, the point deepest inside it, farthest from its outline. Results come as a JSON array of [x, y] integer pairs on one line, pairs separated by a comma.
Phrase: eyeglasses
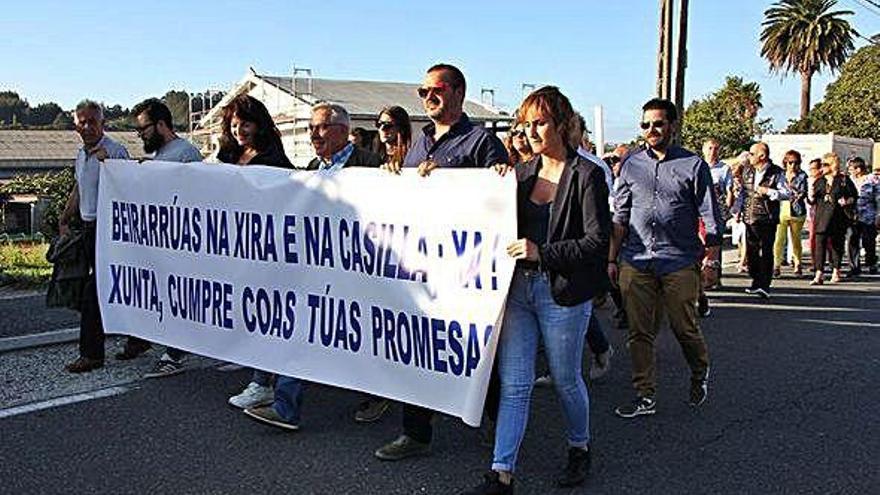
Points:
[[425, 91], [518, 133], [791, 162], [140, 130], [657, 124], [384, 125]]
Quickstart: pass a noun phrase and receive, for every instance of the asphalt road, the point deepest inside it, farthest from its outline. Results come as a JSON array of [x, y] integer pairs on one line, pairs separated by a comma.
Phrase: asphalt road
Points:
[[791, 409], [27, 314]]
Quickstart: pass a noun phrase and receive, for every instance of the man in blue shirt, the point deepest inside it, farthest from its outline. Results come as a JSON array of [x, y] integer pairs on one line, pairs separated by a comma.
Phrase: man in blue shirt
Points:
[[450, 141], [662, 193]]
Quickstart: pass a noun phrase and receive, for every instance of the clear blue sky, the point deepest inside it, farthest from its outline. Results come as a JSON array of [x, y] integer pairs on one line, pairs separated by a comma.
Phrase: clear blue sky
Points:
[[597, 51]]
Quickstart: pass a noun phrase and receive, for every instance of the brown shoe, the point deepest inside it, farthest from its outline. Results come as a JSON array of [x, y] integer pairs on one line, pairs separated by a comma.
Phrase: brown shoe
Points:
[[84, 365], [133, 349]]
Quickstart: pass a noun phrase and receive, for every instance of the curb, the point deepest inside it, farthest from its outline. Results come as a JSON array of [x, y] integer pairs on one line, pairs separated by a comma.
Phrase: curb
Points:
[[39, 339]]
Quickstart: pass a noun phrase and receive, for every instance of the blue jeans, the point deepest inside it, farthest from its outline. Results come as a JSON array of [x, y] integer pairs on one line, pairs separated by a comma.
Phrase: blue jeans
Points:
[[288, 398], [532, 315]]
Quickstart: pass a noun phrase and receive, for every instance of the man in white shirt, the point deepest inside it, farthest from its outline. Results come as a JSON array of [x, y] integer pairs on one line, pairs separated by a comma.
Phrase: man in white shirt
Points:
[[89, 121]]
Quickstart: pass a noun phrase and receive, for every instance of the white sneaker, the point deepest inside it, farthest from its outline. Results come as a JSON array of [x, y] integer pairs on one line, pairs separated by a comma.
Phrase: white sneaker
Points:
[[254, 395], [602, 364]]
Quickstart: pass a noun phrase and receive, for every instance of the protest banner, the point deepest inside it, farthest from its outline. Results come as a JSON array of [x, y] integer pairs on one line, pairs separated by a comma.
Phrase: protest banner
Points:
[[391, 285]]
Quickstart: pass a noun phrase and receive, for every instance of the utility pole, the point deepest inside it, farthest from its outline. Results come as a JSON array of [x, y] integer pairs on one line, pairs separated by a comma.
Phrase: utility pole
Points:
[[665, 55], [681, 55]]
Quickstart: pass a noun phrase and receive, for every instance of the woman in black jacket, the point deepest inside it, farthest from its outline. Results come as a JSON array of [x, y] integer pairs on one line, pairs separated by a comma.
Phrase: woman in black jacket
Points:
[[564, 227], [834, 195]]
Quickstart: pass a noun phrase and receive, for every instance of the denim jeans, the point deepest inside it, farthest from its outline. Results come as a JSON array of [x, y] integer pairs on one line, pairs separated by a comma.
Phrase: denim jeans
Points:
[[288, 398], [532, 315]]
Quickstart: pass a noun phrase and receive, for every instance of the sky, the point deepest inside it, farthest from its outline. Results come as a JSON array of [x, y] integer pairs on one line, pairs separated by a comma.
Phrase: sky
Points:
[[598, 52]]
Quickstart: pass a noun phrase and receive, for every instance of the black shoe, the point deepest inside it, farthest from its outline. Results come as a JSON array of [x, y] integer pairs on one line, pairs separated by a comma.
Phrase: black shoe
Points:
[[642, 406], [577, 469], [762, 293], [133, 350], [872, 270], [703, 307], [491, 485], [699, 392]]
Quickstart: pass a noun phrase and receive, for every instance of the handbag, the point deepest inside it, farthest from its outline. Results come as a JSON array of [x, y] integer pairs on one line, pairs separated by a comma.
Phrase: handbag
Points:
[[70, 271]]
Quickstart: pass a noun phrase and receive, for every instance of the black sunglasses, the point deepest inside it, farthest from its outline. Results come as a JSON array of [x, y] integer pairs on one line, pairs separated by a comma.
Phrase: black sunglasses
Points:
[[384, 126], [518, 134], [658, 124], [141, 130]]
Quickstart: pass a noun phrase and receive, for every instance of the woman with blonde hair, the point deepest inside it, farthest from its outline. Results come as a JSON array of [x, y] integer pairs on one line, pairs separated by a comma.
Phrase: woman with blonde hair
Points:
[[834, 195], [792, 214], [560, 265]]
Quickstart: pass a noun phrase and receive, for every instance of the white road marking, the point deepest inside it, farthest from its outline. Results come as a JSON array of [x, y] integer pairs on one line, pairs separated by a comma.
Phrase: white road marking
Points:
[[61, 401]]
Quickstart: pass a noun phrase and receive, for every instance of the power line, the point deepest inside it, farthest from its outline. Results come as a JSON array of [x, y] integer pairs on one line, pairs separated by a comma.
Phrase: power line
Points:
[[868, 5]]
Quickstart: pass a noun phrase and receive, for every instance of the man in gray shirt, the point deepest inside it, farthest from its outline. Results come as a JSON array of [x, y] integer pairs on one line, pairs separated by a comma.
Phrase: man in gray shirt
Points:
[[156, 129]]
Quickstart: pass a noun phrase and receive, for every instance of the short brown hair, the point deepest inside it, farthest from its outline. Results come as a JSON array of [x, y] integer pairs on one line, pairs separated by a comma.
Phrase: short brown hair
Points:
[[556, 105]]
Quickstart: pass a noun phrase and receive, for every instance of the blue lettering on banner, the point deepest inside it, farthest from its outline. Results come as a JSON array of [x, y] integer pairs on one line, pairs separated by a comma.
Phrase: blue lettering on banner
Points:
[[335, 322], [429, 343], [272, 313], [200, 300], [135, 287]]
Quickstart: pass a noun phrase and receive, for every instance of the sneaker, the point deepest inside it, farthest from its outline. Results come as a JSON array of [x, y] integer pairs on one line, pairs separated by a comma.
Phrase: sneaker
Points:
[[84, 365], [491, 485], [132, 350], [602, 365], [699, 392], [544, 381], [817, 281], [401, 448], [164, 367], [703, 308], [642, 406], [577, 469], [762, 293], [254, 395], [751, 290], [371, 410], [268, 415]]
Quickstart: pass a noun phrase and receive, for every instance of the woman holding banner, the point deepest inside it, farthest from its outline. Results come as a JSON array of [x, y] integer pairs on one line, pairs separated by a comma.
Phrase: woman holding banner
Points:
[[564, 226], [250, 137]]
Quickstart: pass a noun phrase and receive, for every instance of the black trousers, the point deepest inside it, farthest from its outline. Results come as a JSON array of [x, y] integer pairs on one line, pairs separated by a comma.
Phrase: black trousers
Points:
[[837, 241], [864, 235], [759, 253], [417, 420], [91, 328]]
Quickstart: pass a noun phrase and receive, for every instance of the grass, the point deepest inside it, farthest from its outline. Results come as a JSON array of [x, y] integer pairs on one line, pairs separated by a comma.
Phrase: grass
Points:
[[24, 265]]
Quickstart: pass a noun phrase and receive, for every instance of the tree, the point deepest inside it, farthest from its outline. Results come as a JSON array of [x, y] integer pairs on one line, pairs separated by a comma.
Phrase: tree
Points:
[[178, 103], [13, 109], [44, 114], [803, 36], [730, 115], [55, 186], [63, 121], [852, 103]]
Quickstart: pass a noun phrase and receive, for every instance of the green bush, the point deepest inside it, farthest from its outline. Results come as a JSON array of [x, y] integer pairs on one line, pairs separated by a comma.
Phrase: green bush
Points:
[[24, 264], [55, 186]]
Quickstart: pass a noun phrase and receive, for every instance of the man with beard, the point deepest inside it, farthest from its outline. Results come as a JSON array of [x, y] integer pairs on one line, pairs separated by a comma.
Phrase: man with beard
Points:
[[449, 141], [156, 129], [662, 193], [97, 147]]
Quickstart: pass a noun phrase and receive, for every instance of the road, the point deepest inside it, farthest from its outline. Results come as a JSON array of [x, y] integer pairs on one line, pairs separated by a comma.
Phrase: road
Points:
[[791, 409]]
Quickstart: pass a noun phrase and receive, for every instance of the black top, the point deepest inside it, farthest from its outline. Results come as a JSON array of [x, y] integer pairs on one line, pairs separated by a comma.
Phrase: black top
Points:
[[536, 222], [272, 157], [830, 217], [576, 251], [359, 158]]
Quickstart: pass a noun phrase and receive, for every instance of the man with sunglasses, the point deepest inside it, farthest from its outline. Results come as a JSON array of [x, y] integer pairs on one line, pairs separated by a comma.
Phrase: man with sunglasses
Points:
[[155, 127], [451, 141], [662, 193]]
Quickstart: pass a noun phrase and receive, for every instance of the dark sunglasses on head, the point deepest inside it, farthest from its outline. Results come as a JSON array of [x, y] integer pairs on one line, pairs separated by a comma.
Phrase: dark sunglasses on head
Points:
[[384, 126], [657, 124], [424, 91]]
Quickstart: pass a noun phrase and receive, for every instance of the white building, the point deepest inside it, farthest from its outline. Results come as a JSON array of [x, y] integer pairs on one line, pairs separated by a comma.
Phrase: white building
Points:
[[289, 101], [812, 146]]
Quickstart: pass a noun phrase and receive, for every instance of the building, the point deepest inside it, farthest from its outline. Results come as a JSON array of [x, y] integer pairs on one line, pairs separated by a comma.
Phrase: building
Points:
[[289, 100], [815, 145], [31, 152]]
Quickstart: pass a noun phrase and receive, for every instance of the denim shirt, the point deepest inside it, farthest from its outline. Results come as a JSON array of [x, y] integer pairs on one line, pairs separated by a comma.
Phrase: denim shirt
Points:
[[463, 146], [797, 186], [869, 197], [661, 202]]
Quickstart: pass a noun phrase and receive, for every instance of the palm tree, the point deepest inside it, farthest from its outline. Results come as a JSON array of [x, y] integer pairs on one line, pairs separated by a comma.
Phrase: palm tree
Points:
[[803, 36]]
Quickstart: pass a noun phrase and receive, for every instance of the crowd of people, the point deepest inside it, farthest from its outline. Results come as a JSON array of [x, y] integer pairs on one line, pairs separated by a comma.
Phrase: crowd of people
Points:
[[642, 225]]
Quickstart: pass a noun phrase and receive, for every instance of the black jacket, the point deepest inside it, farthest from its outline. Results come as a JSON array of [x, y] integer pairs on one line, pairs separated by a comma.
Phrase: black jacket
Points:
[[757, 208], [359, 158], [272, 156], [830, 217], [576, 253]]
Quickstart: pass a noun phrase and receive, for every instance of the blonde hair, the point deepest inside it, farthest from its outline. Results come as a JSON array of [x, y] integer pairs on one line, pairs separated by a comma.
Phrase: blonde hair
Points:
[[833, 160]]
